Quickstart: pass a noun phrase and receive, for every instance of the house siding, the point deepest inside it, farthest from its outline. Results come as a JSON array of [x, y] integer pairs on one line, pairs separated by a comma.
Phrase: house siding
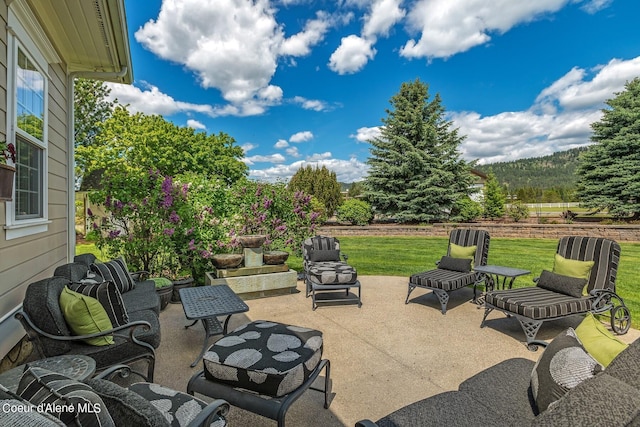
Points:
[[27, 259]]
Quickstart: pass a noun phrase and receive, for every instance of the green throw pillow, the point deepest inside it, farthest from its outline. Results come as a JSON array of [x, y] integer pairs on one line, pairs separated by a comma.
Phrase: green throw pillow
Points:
[[457, 251], [573, 268], [85, 315], [598, 341]]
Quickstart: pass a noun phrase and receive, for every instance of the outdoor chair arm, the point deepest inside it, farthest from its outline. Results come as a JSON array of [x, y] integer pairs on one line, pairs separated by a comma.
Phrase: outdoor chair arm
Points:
[[132, 326], [217, 408], [345, 257], [139, 276], [123, 371]]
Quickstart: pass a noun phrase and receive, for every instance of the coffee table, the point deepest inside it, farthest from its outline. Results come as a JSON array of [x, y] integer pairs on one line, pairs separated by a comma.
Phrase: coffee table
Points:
[[206, 303], [75, 366], [491, 274]]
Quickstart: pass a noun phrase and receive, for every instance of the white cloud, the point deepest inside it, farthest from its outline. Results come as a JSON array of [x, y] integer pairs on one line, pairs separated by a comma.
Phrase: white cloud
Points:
[[448, 27], [301, 136], [352, 55], [292, 151], [366, 134], [272, 158], [594, 6], [311, 104], [281, 143], [248, 147], [384, 14], [319, 156], [346, 170], [314, 31], [195, 124], [152, 101], [560, 119]]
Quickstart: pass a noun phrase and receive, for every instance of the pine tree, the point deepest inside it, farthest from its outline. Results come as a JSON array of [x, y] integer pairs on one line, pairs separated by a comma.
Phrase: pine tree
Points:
[[416, 173], [609, 172], [494, 198], [319, 182]]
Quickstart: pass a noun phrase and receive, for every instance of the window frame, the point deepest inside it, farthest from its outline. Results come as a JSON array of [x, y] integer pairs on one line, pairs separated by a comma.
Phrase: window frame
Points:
[[19, 38]]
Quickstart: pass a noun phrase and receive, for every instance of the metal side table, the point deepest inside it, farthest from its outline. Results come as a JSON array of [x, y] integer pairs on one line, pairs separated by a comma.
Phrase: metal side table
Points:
[[491, 275], [206, 303]]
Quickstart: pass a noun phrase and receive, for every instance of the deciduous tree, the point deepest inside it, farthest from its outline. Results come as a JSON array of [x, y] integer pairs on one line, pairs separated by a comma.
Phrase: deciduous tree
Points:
[[416, 172]]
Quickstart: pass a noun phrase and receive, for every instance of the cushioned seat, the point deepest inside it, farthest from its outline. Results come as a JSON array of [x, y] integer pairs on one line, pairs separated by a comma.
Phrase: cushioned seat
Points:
[[446, 280], [143, 296], [537, 303], [331, 272], [266, 357]]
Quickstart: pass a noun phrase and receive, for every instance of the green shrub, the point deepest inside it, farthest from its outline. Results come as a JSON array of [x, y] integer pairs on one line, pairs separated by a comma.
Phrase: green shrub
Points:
[[161, 282], [355, 211], [518, 211], [466, 210]]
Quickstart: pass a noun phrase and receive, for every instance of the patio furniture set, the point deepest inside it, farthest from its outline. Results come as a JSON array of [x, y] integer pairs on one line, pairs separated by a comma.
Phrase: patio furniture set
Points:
[[266, 366]]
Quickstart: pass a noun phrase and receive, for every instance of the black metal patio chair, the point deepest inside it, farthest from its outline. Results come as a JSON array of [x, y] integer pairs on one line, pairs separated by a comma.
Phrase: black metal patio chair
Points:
[[454, 273], [533, 305]]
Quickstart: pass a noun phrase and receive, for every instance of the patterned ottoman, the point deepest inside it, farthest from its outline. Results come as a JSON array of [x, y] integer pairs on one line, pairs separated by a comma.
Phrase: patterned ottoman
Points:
[[331, 273], [265, 357]]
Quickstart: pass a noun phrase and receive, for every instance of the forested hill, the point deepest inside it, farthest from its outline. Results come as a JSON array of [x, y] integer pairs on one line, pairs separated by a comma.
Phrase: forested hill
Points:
[[556, 170]]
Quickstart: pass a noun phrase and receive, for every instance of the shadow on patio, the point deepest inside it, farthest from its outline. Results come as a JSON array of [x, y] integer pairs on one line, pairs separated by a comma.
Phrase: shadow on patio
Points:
[[383, 356]]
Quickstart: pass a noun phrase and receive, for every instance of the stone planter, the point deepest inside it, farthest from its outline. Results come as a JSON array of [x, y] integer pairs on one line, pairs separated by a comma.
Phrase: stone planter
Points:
[[252, 240], [177, 285], [222, 261], [7, 174], [275, 257]]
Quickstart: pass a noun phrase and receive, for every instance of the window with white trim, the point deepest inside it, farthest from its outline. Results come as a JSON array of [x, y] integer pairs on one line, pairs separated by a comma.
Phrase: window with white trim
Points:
[[27, 129]]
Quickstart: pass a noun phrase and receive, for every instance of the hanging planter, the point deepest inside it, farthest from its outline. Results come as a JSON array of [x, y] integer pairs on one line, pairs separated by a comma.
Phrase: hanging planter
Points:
[[7, 174]]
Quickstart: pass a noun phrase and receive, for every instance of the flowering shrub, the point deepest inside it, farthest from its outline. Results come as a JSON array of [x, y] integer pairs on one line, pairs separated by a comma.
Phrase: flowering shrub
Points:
[[141, 219], [171, 226], [357, 212]]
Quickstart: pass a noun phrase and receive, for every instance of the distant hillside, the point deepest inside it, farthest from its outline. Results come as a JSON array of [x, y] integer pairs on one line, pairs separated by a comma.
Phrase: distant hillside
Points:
[[555, 170]]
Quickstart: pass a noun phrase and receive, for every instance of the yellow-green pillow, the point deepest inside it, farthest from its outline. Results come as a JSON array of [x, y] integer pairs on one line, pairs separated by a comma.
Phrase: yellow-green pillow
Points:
[[573, 268], [457, 251], [85, 315], [598, 341]]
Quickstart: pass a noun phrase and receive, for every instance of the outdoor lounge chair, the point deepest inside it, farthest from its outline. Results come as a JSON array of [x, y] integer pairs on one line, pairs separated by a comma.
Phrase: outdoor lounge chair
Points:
[[326, 274], [454, 273], [534, 305]]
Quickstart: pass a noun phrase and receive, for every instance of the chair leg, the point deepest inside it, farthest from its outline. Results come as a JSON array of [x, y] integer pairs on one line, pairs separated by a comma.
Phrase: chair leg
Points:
[[487, 310], [443, 296], [530, 328], [151, 368], [411, 288]]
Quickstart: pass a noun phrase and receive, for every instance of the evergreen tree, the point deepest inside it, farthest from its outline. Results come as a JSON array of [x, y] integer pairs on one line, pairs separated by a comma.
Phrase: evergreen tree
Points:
[[319, 182], [416, 173], [609, 172], [494, 198]]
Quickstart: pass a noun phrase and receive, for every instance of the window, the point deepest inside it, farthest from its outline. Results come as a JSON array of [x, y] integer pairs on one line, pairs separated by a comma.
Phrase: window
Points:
[[27, 129]]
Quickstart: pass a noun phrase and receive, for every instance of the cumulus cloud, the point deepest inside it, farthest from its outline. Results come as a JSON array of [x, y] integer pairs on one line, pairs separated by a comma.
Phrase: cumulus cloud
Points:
[[152, 101], [560, 118], [366, 134], [355, 51], [271, 158], [595, 6], [449, 27], [352, 55], [233, 46], [301, 136], [346, 170], [195, 124], [246, 147], [292, 151], [311, 104], [281, 143]]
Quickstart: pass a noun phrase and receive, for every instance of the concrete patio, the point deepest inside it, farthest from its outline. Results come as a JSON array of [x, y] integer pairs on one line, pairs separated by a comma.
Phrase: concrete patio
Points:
[[383, 356]]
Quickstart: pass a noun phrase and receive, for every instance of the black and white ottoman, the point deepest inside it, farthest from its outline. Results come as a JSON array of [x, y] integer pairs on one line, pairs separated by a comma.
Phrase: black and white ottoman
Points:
[[331, 276], [263, 367]]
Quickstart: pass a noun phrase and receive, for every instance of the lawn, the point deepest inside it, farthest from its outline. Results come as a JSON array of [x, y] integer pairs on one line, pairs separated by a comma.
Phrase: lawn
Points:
[[403, 256]]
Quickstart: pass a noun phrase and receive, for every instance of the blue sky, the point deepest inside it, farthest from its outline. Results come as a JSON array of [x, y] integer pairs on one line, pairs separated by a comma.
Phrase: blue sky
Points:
[[299, 82]]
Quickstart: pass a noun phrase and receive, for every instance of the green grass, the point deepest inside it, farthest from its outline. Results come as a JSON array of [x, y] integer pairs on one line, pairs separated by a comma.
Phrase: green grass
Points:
[[403, 256]]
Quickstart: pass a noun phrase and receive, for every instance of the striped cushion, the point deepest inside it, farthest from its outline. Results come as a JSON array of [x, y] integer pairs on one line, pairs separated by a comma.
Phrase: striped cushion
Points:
[[115, 271], [447, 280], [537, 303], [469, 237], [73, 402], [108, 294], [605, 253]]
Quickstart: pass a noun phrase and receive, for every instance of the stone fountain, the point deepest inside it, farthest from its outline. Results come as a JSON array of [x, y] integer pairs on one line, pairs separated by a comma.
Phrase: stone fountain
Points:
[[254, 278]]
